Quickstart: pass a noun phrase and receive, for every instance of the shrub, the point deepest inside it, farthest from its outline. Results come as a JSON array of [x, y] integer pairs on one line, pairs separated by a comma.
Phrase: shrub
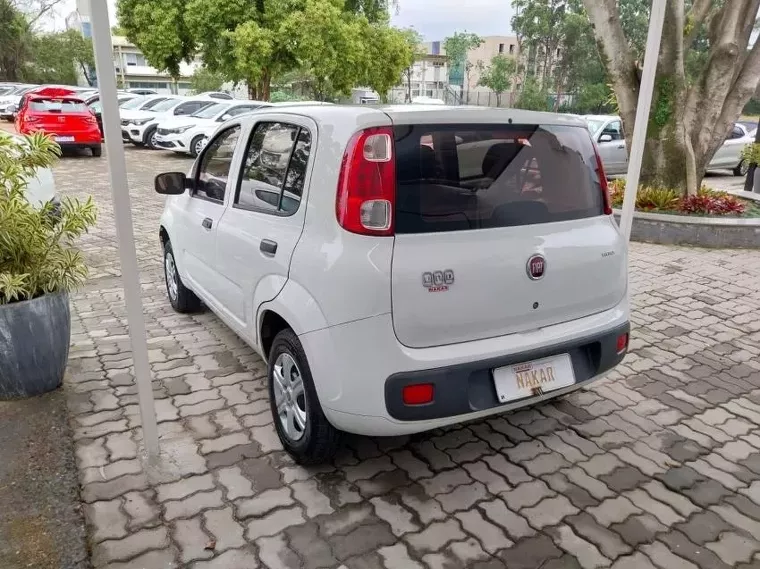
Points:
[[654, 198], [37, 255]]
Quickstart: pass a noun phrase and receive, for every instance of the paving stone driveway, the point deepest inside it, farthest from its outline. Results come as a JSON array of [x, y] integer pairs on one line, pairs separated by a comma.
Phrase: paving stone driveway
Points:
[[658, 466]]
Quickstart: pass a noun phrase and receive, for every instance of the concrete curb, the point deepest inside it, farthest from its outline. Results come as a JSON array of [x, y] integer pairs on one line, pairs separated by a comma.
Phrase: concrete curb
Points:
[[664, 229]]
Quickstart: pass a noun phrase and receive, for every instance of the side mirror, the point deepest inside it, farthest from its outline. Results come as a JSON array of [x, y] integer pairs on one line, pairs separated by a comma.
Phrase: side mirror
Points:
[[225, 117], [605, 138], [171, 183], [12, 109]]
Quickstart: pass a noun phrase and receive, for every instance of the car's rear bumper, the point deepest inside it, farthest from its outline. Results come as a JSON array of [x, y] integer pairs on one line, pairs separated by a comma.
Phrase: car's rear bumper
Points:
[[360, 369]]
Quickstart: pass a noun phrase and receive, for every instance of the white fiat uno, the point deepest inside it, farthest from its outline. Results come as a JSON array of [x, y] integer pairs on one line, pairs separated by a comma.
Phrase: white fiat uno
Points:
[[402, 268]]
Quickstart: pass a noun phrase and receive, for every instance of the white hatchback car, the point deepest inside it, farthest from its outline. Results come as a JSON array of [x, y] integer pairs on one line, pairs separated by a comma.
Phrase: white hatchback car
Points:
[[187, 134], [402, 268]]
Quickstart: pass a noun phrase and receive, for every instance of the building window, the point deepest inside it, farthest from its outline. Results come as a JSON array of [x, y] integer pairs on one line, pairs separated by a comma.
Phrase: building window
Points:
[[501, 48], [134, 59], [147, 85], [511, 48]]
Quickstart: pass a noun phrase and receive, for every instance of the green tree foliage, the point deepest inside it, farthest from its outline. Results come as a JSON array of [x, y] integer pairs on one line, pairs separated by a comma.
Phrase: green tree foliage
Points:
[[15, 40], [498, 75], [333, 41], [37, 253], [414, 41], [457, 47], [204, 80], [159, 29], [60, 58], [533, 97]]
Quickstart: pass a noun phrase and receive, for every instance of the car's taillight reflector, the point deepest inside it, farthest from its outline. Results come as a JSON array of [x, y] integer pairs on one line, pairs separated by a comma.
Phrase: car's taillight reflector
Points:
[[603, 183], [367, 184], [622, 343], [418, 394]]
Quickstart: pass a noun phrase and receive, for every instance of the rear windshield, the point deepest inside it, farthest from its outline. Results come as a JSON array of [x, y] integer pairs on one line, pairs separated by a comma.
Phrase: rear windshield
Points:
[[463, 177], [58, 106]]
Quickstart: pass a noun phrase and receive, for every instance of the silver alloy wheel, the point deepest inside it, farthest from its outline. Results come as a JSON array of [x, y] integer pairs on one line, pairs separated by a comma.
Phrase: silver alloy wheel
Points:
[[289, 396], [153, 139], [744, 167], [172, 278], [198, 146]]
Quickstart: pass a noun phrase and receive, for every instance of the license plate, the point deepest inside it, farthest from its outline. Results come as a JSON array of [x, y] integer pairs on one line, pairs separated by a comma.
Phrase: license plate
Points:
[[64, 139], [533, 378]]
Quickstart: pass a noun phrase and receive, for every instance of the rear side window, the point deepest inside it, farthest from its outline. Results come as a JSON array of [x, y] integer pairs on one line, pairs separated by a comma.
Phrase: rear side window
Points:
[[465, 177], [57, 106], [274, 171]]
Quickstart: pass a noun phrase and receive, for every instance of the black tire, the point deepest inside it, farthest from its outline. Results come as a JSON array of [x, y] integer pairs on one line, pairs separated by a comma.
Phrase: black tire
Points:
[[320, 440], [742, 168], [97, 151], [184, 301], [194, 144], [148, 138]]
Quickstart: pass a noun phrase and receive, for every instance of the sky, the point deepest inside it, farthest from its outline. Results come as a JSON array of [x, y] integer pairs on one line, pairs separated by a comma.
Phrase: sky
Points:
[[434, 19]]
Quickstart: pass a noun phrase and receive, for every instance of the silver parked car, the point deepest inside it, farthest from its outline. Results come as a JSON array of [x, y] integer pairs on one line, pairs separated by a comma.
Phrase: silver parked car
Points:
[[607, 131]]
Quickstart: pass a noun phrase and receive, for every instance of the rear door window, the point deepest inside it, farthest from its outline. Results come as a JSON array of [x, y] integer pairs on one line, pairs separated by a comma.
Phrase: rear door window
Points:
[[57, 106], [465, 177]]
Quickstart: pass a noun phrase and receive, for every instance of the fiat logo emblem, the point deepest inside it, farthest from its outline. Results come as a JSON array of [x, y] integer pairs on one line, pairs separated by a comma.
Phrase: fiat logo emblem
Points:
[[536, 267]]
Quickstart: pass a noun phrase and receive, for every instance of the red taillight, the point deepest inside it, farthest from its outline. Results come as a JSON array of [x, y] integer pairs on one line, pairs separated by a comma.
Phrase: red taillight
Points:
[[622, 343], [603, 183], [418, 394], [367, 185]]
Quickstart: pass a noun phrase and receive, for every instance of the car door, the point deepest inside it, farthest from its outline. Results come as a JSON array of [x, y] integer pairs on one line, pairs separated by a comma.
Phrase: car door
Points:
[[201, 211], [259, 231], [611, 142], [728, 154]]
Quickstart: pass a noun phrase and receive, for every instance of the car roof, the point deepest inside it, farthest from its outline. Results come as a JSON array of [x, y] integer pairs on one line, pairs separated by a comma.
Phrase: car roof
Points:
[[425, 114]]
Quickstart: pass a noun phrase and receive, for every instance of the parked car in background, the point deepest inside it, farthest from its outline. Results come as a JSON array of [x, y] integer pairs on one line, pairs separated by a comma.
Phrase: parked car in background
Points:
[[60, 113], [607, 131], [97, 107], [394, 286], [9, 102], [186, 134], [139, 127], [209, 129], [216, 95], [138, 91]]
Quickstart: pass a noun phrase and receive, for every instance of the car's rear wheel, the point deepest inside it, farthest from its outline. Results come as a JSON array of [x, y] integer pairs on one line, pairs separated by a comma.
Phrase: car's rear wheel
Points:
[[299, 420], [150, 138], [742, 168], [97, 150], [181, 298], [196, 146]]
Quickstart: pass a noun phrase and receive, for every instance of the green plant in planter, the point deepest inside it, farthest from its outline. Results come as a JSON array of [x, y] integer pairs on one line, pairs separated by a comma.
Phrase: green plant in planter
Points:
[[751, 153], [37, 252]]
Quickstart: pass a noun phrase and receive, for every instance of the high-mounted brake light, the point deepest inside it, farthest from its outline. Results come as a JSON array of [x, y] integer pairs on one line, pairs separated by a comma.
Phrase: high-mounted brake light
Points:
[[367, 184], [603, 183]]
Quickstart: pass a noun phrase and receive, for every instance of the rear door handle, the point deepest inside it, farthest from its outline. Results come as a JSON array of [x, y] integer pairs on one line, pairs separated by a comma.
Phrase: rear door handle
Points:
[[207, 223], [268, 247]]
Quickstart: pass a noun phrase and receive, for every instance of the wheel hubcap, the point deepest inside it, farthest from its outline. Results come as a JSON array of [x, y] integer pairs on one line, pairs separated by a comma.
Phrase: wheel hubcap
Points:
[[171, 276], [198, 147], [744, 168], [289, 396]]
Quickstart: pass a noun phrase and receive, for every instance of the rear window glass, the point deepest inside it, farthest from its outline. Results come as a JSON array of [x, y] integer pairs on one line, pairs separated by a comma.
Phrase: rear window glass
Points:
[[464, 177], [57, 106]]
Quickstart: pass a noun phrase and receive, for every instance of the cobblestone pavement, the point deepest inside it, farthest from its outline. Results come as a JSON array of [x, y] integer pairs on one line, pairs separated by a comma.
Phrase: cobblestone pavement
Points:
[[657, 466]]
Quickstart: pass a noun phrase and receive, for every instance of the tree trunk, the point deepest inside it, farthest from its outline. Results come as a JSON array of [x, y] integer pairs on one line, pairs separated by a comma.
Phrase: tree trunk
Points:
[[688, 123]]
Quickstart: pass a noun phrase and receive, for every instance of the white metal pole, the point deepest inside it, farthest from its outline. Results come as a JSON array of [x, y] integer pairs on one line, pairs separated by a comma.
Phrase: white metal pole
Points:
[[636, 155], [117, 169]]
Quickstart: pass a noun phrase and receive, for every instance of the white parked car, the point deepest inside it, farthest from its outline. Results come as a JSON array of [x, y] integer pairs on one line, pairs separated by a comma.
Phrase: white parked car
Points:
[[401, 268], [10, 100], [140, 126], [608, 133], [40, 189], [186, 134], [216, 95]]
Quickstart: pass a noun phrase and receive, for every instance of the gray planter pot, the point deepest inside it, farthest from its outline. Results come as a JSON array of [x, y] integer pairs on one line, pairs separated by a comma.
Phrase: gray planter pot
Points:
[[34, 345]]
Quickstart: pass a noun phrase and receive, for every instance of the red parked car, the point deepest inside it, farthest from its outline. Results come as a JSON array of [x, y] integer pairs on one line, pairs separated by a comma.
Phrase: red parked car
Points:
[[62, 114]]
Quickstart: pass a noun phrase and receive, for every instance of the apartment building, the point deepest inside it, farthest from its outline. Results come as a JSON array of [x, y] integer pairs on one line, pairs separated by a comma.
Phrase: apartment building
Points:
[[429, 75], [132, 71]]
